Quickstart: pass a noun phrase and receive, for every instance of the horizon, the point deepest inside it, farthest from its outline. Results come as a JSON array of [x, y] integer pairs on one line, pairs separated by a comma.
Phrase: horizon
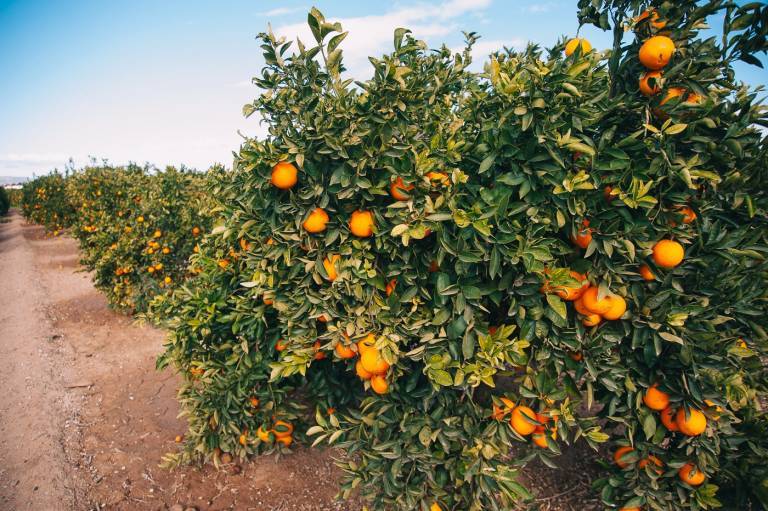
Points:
[[165, 83]]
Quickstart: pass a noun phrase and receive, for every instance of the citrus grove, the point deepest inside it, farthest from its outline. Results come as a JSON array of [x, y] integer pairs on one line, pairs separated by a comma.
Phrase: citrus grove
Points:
[[449, 274]]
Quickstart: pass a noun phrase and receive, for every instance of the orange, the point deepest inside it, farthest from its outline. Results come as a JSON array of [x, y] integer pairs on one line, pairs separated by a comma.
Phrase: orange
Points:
[[498, 412], [243, 439], [692, 424], [521, 420], [652, 459], [167, 280], [656, 52], [570, 46], [579, 306], [540, 439], [672, 93], [322, 318], [178, 439], [435, 507], [645, 86], [166, 250], [399, 190], [583, 236], [282, 429], [667, 416], [319, 355], [373, 363], [594, 305], [361, 372], [316, 221], [286, 440], [159, 266], [571, 294], [330, 266], [633, 508], [592, 320], [440, 177], [151, 269], [379, 384], [344, 351], [367, 343], [689, 215], [433, 267], [656, 399], [617, 308], [693, 99], [361, 223], [391, 286], [654, 21], [646, 273], [576, 356], [690, 474], [668, 253], [195, 231], [223, 263], [244, 245], [254, 402], [622, 456], [263, 434], [284, 175], [280, 345]]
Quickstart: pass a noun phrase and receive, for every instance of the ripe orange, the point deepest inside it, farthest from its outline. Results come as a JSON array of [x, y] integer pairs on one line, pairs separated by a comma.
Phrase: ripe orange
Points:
[[158, 233], [645, 86], [330, 266], [366, 343], [361, 372], [689, 215], [668, 253], [622, 456], [583, 236], [379, 384], [391, 286], [576, 356], [319, 355], [573, 293], [594, 305], [280, 345], [167, 280], [692, 424], [654, 21], [667, 416], [693, 99], [579, 306], [243, 439], [166, 250], [178, 439], [656, 399], [195, 231], [570, 46], [633, 508], [344, 351], [435, 507], [373, 362], [361, 223], [672, 93], [592, 320], [690, 474], [282, 429], [646, 273], [223, 263], [618, 306], [254, 402], [498, 412], [439, 177], [656, 52], [540, 439], [399, 190], [151, 269], [263, 434], [284, 175], [286, 440], [652, 459], [520, 420], [244, 245], [316, 221]]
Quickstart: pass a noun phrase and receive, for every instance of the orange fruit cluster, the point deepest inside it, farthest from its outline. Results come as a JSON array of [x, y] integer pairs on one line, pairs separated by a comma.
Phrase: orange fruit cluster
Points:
[[595, 309]]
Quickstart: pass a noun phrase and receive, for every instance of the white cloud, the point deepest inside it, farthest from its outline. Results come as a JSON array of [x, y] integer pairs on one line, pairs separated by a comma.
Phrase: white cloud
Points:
[[372, 35], [538, 8]]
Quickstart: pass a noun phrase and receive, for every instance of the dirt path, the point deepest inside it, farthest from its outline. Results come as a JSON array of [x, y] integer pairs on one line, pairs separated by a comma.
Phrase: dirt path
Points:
[[84, 415]]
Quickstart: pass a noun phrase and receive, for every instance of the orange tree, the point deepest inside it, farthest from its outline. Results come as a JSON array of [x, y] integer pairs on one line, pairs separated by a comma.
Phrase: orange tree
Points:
[[44, 201], [404, 251]]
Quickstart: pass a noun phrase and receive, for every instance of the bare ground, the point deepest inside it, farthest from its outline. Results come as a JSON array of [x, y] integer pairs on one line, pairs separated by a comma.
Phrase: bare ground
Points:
[[85, 417]]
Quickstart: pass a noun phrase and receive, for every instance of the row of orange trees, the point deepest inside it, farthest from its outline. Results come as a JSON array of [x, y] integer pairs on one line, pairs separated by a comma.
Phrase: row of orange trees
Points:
[[137, 226], [449, 274]]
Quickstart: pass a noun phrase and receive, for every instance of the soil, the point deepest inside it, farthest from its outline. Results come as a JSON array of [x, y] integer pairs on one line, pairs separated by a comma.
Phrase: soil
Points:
[[85, 417]]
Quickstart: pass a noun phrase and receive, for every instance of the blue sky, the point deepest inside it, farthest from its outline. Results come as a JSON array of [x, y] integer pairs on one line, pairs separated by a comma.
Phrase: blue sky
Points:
[[165, 81]]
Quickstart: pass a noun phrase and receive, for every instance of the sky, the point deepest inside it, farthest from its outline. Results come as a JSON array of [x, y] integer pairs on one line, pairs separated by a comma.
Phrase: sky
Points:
[[165, 81]]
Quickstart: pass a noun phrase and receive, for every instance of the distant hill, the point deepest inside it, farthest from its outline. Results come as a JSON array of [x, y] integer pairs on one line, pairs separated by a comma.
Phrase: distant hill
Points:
[[12, 180]]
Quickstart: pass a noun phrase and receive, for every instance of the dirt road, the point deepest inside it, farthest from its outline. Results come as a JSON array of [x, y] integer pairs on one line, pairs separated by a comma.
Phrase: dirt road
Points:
[[84, 415]]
